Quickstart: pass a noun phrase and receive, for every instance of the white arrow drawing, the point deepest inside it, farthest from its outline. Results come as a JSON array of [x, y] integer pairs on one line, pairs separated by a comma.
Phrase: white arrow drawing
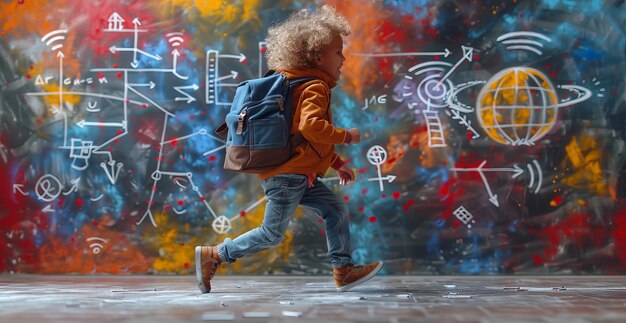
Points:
[[493, 198], [242, 58], [468, 54], [149, 84], [18, 187], [74, 187], [454, 114], [175, 55], [445, 53], [388, 178], [60, 56], [233, 75], [187, 97], [135, 50], [48, 209], [113, 49], [113, 170], [83, 123], [136, 25]]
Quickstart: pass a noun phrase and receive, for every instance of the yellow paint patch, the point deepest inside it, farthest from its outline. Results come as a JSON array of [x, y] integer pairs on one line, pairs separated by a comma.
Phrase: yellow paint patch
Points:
[[55, 99], [176, 248], [585, 156]]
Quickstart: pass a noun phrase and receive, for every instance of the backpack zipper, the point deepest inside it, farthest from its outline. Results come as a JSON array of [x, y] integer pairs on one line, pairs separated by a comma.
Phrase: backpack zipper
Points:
[[251, 103], [240, 121], [279, 100]]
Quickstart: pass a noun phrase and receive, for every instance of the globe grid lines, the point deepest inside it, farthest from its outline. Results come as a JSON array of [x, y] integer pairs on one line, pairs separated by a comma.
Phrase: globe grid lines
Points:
[[537, 107]]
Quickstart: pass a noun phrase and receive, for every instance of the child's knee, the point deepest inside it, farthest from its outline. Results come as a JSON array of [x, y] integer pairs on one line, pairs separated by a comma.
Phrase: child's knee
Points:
[[272, 237]]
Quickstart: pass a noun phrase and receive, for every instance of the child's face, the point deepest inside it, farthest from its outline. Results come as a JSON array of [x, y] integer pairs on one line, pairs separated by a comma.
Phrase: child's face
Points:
[[331, 58]]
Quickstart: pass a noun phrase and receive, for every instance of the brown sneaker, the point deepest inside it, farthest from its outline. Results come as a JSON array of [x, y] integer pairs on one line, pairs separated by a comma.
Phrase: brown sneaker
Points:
[[353, 275], [207, 262]]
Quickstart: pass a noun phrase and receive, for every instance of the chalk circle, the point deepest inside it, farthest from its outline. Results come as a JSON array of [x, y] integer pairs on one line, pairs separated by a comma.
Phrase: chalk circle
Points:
[[377, 155], [156, 175], [48, 188], [221, 224], [431, 90]]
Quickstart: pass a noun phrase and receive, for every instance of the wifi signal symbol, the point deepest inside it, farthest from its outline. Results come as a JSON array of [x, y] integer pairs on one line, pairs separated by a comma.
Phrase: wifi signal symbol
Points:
[[523, 40], [432, 66], [54, 39], [536, 175], [96, 247], [430, 90], [175, 38]]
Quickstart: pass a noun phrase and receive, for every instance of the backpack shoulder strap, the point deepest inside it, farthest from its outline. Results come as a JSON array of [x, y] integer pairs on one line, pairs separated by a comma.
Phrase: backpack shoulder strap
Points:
[[298, 138], [299, 80]]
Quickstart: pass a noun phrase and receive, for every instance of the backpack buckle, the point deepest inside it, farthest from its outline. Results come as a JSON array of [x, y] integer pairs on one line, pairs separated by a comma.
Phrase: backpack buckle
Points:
[[240, 121]]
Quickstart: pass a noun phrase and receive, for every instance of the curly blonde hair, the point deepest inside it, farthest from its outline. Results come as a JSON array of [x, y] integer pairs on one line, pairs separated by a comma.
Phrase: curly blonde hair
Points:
[[294, 43]]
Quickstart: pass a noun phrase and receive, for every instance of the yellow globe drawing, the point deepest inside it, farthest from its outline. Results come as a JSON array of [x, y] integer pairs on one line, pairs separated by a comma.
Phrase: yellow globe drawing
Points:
[[517, 106]]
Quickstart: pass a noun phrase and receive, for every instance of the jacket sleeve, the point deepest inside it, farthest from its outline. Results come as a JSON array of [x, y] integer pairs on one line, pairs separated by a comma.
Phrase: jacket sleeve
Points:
[[336, 162], [314, 125]]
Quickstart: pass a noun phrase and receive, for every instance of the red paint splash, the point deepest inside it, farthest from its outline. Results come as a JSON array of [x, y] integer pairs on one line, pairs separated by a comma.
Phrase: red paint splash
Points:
[[19, 215], [408, 205], [619, 235]]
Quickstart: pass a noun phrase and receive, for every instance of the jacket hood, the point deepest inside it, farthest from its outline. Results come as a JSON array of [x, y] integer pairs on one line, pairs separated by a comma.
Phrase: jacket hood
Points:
[[310, 72]]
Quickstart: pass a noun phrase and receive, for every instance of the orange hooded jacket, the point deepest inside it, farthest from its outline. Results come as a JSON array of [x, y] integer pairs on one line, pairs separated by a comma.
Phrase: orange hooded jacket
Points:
[[314, 119]]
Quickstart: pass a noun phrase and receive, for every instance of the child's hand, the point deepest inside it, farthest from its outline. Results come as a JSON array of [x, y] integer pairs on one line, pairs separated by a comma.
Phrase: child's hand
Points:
[[356, 135], [345, 174]]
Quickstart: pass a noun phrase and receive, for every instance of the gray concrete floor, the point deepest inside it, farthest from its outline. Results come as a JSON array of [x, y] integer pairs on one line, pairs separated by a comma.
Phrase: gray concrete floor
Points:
[[26, 298]]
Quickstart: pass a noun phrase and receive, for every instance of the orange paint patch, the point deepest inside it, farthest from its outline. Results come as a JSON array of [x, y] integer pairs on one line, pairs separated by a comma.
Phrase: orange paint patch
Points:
[[93, 250], [363, 16]]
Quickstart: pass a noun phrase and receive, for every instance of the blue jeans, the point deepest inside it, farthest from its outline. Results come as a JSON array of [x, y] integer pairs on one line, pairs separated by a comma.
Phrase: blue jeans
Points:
[[284, 192]]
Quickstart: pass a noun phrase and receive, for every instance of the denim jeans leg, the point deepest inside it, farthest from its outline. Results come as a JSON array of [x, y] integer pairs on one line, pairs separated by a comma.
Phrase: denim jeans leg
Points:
[[283, 193], [335, 213]]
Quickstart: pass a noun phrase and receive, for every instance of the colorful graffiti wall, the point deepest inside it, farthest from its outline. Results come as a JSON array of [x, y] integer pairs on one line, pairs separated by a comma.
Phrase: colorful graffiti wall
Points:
[[493, 136]]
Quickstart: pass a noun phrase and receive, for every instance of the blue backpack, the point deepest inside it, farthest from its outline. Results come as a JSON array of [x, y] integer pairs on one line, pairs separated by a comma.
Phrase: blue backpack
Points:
[[257, 128]]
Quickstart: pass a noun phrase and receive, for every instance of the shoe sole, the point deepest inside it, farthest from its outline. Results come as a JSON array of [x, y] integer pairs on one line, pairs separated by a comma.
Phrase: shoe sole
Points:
[[362, 280], [203, 288]]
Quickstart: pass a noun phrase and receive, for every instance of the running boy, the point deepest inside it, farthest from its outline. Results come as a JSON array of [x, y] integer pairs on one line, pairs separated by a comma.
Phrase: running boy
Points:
[[307, 44]]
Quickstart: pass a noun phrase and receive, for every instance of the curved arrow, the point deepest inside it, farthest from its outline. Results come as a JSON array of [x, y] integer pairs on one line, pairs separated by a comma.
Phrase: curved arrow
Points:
[[18, 187], [74, 187]]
